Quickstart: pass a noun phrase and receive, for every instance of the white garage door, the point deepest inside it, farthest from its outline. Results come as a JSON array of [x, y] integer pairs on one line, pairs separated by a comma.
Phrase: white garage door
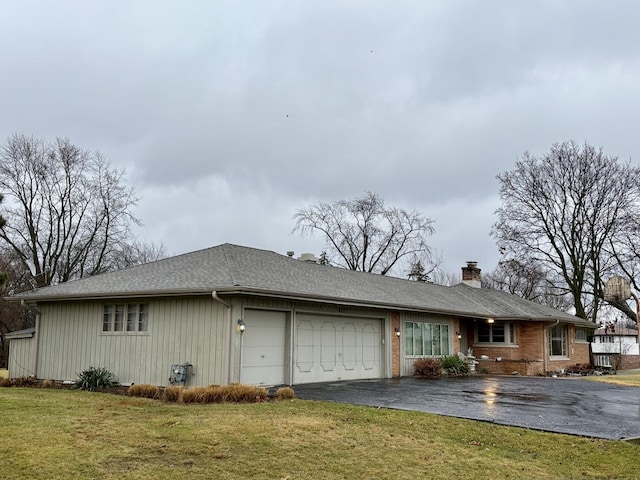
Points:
[[328, 348], [263, 348]]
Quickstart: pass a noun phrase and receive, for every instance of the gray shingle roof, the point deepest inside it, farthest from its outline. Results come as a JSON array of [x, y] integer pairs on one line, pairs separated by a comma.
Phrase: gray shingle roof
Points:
[[233, 268]]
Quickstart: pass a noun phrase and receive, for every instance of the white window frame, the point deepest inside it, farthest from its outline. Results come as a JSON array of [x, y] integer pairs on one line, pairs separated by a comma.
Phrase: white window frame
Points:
[[125, 319], [562, 338], [510, 336], [603, 361], [581, 335], [426, 339]]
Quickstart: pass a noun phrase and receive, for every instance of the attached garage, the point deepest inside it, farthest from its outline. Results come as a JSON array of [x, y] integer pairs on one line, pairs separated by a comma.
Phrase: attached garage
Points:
[[264, 348], [325, 348], [329, 348]]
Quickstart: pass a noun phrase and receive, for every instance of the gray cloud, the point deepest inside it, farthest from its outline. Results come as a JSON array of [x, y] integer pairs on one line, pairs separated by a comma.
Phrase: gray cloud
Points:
[[230, 115]]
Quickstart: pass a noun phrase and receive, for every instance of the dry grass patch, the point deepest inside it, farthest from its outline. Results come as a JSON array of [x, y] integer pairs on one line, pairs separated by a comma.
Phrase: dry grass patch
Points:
[[112, 437], [4, 373], [629, 378], [144, 390]]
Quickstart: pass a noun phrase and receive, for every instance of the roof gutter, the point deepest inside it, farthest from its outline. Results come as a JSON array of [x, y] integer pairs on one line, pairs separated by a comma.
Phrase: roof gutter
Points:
[[214, 295]]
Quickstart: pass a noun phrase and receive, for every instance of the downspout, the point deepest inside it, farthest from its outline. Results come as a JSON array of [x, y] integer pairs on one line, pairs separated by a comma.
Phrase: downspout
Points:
[[545, 345], [215, 296]]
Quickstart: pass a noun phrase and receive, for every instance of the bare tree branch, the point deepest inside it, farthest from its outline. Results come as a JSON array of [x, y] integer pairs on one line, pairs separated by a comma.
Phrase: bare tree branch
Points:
[[565, 214], [364, 234]]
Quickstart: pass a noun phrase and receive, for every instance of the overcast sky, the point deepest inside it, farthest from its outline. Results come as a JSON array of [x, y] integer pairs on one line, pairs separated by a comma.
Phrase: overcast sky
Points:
[[230, 115]]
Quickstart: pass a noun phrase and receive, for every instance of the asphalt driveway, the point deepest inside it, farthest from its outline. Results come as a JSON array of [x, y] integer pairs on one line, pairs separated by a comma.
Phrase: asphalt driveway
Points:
[[562, 405]]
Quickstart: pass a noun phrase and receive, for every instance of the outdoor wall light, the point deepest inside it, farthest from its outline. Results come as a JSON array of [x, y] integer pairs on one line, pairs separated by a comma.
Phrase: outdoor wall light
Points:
[[241, 325], [459, 335], [397, 330], [490, 320]]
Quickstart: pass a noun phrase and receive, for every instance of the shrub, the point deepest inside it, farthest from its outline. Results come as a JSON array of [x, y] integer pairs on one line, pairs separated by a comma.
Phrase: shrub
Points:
[[454, 365], [6, 382], [48, 384], [144, 390], [427, 367], [285, 393], [96, 378], [172, 394]]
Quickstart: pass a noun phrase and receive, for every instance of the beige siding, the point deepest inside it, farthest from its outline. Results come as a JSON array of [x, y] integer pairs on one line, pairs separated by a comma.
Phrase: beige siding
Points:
[[408, 361], [194, 330], [22, 357]]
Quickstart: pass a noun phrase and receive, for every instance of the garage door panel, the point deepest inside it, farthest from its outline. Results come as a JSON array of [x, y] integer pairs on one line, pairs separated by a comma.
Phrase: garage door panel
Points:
[[264, 348], [328, 351], [331, 348], [349, 346]]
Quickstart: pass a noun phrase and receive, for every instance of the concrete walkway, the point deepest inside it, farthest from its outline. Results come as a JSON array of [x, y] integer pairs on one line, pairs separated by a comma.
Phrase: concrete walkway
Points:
[[561, 405]]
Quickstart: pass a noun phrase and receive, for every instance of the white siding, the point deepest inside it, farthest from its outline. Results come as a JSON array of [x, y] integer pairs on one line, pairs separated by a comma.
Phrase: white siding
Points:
[[194, 330], [22, 357]]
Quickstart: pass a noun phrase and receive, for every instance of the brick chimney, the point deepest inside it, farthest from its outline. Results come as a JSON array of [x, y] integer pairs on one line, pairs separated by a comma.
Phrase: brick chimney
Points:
[[471, 275]]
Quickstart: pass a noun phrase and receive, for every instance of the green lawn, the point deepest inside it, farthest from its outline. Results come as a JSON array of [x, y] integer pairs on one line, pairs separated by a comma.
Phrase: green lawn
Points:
[[62, 434]]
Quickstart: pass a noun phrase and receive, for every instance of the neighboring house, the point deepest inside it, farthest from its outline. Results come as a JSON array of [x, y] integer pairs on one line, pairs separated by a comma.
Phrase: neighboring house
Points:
[[238, 314], [615, 347]]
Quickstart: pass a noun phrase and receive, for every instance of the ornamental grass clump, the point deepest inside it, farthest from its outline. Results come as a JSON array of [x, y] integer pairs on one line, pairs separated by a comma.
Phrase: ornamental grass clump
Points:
[[427, 367], [172, 394], [454, 365], [144, 390], [285, 393], [95, 379], [235, 393]]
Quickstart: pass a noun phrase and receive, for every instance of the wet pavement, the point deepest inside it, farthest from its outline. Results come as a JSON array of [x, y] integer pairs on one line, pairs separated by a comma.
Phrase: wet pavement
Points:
[[562, 405]]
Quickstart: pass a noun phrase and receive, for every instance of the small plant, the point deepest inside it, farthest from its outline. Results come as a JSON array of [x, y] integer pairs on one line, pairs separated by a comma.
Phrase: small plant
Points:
[[96, 378], [454, 365], [6, 382], [427, 367], [285, 393], [144, 391], [485, 371]]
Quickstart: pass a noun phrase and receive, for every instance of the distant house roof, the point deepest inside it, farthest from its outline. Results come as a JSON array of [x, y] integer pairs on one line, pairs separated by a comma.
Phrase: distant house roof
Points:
[[231, 268], [621, 331]]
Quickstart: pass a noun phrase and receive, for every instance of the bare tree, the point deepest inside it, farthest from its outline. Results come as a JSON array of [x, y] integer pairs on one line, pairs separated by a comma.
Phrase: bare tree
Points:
[[365, 234], [139, 252], [67, 210], [445, 278], [564, 213], [528, 281], [13, 278]]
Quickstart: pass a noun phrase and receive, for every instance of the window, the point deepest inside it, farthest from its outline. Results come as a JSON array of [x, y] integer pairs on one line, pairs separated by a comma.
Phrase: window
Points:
[[603, 360], [558, 341], [581, 335], [504, 333], [606, 339], [125, 317], [426, 339]]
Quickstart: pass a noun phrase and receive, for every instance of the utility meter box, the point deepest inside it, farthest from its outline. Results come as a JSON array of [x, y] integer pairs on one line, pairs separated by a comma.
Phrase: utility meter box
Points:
[[179, 373]]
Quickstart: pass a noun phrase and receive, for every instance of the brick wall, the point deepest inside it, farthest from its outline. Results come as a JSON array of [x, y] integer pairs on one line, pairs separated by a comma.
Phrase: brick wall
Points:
[[530, 345], [509, 367], [528, 357], [395, 345]]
